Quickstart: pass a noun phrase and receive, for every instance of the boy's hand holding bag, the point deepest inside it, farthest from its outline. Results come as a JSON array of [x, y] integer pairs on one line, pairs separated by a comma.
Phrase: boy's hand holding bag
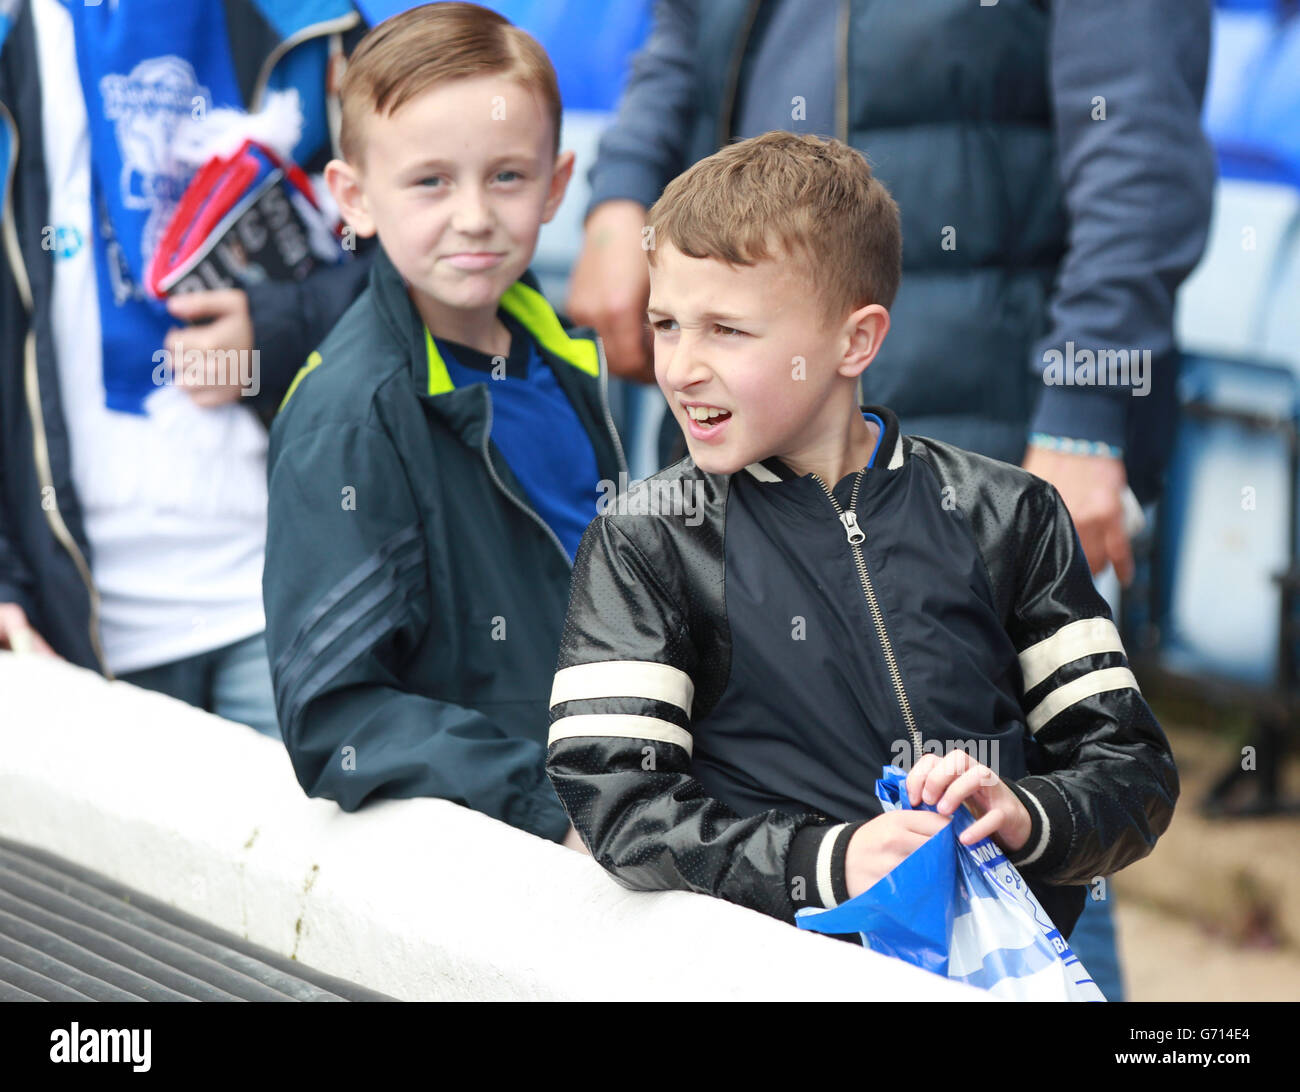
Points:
[[962, 911]]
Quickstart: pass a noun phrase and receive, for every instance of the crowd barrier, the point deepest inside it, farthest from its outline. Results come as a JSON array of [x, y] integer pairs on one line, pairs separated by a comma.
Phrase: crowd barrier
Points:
[[418, 899]]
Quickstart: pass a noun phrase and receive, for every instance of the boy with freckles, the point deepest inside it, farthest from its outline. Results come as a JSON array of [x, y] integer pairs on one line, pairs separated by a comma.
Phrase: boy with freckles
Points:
[[436, 461], [728, 689]]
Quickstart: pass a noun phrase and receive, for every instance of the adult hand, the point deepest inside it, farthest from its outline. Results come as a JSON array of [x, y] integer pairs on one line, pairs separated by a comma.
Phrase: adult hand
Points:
[[229, 328], [611, 286], [17, 634], [1092, 487]]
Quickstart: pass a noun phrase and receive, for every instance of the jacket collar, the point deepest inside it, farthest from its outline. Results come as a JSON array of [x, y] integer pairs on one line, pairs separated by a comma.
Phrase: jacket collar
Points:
[[267, 29], [574, 359], [530, 309], [521, 301], [890, 446]]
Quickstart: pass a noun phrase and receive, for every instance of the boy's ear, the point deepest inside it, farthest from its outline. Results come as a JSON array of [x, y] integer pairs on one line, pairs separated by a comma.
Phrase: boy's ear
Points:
[[344, 182], [559, 184], [865, 330]]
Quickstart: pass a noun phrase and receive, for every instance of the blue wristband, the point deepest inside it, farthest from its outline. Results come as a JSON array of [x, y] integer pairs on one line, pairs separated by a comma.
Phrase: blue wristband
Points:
[[1071, 446]]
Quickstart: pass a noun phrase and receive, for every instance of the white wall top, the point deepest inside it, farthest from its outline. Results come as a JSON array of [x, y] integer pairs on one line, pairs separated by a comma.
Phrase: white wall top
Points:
[[419, 899]]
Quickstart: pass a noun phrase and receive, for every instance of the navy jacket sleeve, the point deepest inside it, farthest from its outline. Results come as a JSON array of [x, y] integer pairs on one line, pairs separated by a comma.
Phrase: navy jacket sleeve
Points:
[[645, 147], [346, 588], [620, 750], [1102, 783], [15, 575], [1138, 184], [15, 578], [290, 318]]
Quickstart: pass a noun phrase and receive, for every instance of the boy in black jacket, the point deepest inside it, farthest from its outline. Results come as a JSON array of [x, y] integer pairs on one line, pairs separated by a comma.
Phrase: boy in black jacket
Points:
[[842, 597], [436, 461]]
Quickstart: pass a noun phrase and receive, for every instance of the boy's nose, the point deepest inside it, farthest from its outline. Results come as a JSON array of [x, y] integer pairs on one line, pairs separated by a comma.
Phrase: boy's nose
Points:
[[686, 366], [471, 215]]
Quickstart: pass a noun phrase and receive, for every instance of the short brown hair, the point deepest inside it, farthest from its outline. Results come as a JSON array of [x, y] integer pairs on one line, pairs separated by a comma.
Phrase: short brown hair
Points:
[[404, 56], [815, 199]]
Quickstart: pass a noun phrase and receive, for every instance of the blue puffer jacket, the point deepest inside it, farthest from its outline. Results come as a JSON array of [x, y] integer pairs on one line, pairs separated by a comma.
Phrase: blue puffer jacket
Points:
[[1051, 171]]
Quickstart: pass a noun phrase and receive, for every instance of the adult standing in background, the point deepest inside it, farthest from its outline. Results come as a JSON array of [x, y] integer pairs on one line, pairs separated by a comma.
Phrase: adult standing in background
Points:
[[1055, 189], [1054, 183], [133, 513]]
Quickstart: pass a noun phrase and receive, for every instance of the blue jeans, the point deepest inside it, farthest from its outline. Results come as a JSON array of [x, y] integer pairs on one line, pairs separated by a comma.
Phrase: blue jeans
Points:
[[233, 682], [1093, 941]]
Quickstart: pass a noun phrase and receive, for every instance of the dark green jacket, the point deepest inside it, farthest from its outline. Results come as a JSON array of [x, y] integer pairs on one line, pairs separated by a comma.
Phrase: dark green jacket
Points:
[[414, 598]]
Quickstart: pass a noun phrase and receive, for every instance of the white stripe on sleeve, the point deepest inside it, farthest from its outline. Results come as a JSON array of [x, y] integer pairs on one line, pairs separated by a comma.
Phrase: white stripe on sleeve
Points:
[[1043, 833], [825, 853], [621, 726], [1095, 682], [1086, 637], [624, 679]]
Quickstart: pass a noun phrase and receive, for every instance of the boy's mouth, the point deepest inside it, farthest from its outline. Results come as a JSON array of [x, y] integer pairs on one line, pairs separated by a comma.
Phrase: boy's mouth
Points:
[[474, 260], [706, 421], [705, 415]]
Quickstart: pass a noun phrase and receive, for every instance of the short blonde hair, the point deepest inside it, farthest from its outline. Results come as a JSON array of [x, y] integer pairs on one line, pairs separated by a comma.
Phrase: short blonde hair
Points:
[[404, 56], [790, 195]]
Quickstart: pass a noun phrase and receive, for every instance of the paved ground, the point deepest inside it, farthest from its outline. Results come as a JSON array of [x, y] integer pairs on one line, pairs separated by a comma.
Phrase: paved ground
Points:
[[1168, 959], [1214, 912]]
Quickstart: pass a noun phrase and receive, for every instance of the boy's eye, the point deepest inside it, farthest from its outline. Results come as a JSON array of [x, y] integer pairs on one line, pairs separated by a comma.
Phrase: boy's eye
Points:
[[430, 183], [664, 325], [508, 176], [727, 331]]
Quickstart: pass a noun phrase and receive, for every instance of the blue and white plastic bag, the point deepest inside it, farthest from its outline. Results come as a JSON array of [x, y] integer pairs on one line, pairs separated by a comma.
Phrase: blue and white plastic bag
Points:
[[963, 912]]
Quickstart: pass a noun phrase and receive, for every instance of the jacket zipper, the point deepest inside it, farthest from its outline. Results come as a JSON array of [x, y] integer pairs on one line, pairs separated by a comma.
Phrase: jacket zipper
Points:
[[526, 509], [842, 79], [841, 74], [604, 404], [492, 470], [31, 386], [856, 536], [733, 75]]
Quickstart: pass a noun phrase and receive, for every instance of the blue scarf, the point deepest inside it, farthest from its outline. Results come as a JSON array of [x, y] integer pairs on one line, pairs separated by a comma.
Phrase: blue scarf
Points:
[[145, 65]]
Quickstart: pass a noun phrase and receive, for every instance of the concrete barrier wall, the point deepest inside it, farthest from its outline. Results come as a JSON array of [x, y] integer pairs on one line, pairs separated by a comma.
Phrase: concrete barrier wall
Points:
[[419, 899]]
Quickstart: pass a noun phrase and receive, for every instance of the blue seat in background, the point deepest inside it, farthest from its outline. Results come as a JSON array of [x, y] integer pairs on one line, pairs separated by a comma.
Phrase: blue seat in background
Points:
[[1224, 535], [1218, 617], [1222, 579], [589, 41], [1226, 523], [1254, 86], [1220, 622]]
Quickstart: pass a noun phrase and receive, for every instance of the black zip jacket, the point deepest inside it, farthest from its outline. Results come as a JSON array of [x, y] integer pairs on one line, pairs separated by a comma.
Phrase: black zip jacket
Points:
[[414, 597], [732, 679]]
